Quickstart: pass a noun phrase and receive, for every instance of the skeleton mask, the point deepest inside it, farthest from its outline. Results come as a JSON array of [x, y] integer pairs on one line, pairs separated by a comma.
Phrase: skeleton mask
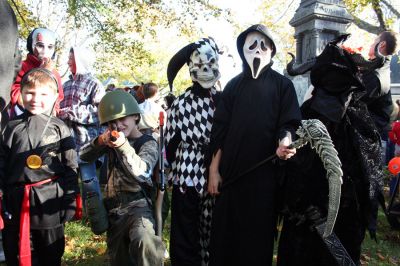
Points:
[[257, 51], [43, 43], [203, 64]]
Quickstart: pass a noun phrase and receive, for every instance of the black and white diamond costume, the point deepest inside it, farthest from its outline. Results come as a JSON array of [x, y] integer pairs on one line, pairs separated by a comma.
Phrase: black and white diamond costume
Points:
[[187, 138], [190, 121]]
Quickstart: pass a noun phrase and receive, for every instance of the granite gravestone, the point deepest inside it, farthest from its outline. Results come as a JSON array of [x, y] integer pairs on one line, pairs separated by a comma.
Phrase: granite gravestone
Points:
[[316, 22]]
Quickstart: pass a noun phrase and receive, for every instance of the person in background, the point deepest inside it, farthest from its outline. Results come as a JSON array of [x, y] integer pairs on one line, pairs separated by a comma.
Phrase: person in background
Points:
[[41, 45], [150, 110], [378, 96], [110, 87], [82, 94]]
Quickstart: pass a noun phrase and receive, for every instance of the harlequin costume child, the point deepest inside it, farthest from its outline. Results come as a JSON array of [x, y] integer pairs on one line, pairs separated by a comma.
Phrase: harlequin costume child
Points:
[[187, 139]]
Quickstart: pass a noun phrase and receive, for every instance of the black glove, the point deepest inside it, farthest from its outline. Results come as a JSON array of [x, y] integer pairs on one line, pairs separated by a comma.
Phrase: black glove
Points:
[[313, 216], [69, 204]]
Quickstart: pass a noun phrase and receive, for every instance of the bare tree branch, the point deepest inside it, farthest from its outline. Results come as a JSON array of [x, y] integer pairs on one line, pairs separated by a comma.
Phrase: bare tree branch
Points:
[[284, 13], [19, 13], [391, 8], [378, 11], [362, 24]]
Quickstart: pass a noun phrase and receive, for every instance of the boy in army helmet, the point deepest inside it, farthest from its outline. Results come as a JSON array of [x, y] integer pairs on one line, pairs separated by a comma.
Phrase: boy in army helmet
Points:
[[132, 157]]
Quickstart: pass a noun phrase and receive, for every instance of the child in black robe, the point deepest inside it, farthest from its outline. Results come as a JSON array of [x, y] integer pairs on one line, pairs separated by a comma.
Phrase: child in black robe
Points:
[[38, 178]]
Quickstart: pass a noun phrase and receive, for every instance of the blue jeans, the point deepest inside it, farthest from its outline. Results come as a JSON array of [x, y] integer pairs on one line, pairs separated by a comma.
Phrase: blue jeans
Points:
[[90, 182]]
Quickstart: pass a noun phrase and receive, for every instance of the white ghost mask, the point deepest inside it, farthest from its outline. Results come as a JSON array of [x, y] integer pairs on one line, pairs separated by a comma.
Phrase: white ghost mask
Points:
[[257, 51], [203, 64]]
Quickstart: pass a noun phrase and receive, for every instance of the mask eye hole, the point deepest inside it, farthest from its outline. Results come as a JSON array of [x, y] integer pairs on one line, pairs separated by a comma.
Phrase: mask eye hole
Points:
[[212, 61], [263, 47], [253, 46]]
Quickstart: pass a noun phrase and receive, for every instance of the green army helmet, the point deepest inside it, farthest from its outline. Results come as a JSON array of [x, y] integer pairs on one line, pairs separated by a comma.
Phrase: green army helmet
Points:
[[117, 104]]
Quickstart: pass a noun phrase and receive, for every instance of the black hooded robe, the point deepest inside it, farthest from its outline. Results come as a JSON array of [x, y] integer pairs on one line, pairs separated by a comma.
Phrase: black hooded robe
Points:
[[253, 114], [336, 103]]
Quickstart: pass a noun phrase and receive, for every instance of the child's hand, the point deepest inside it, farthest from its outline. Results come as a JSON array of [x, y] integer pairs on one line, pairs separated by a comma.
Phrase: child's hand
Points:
[[283, 152], [47, 63], [112, 140], [214, 180]]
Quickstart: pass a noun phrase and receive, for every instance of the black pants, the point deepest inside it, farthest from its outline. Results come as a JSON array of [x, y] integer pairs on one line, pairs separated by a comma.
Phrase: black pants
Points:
[[47, 246], [185, 222]]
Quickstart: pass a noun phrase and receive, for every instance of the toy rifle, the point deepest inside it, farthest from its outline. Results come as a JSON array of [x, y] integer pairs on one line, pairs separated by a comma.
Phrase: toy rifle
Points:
[[114, 133], [161, 178]]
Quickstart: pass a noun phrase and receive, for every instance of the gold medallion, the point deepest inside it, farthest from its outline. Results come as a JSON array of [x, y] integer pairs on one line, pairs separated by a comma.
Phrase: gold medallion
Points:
[[34, 161]]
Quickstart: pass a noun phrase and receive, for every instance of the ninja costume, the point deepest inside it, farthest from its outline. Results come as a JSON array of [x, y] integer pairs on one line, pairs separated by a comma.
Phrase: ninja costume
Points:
[[51, 187]]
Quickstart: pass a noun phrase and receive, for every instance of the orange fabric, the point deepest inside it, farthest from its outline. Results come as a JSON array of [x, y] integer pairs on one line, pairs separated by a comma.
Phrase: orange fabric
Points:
[[78, 210], [394, 165]]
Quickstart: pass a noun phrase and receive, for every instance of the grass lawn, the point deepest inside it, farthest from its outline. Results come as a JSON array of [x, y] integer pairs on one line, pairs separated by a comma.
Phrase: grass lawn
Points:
[[86, 249]]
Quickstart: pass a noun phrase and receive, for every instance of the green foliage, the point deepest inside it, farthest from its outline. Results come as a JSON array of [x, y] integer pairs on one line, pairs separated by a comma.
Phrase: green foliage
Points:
[[276, 18], [120, 30], [357, 5], [385, 13], [25, 17]]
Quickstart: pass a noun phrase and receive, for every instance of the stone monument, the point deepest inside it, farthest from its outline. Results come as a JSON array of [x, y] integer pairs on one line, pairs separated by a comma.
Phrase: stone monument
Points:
[[316, 22]]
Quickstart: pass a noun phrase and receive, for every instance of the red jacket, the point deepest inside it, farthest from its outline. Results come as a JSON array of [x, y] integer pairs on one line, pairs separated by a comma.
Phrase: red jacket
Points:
[[394, 134], [30, 62]]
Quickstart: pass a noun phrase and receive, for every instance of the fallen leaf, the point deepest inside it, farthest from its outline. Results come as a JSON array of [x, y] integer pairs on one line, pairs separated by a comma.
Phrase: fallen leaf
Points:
[[380, 256], [393, 261], [365, 257]]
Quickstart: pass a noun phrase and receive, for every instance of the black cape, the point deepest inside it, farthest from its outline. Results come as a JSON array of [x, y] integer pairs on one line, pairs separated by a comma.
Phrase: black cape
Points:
[[336, 102], [253, 114]]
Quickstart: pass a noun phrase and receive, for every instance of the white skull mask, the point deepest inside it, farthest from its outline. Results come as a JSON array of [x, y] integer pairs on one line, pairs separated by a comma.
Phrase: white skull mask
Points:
[[203, 65], [257, 51]]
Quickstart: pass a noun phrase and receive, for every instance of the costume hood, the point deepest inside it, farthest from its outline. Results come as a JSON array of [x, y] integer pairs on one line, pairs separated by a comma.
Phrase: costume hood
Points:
[[83, 60], [240, 43]]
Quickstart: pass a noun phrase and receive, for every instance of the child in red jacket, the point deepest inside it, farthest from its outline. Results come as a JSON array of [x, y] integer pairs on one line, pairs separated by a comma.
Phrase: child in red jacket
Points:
[[394, 136], [41, 45]]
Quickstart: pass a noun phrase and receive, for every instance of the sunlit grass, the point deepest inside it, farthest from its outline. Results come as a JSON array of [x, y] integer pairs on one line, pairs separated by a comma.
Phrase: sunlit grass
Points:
[[86, 249]]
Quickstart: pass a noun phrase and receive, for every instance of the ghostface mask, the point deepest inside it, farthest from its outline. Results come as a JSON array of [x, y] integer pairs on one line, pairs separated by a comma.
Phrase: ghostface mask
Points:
[[203, 63], [257, 51], [43, 43]]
